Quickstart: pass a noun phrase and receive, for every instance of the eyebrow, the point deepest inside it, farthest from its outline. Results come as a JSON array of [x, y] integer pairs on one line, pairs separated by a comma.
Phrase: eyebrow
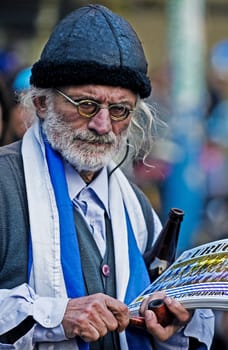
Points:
[[87, 96]]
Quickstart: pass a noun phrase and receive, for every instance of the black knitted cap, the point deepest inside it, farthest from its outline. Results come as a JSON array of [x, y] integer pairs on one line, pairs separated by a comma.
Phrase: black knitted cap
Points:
[[93, 45]]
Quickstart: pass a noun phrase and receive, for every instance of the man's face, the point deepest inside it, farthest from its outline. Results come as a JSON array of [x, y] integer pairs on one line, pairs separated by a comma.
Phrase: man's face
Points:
[[88, 143]]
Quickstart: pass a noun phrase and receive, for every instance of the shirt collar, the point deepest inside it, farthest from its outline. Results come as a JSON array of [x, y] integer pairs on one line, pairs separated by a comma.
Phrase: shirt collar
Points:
[[99, 185]]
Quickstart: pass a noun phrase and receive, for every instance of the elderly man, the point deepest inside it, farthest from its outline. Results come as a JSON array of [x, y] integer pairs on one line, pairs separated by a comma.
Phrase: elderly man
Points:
[[73, 231]]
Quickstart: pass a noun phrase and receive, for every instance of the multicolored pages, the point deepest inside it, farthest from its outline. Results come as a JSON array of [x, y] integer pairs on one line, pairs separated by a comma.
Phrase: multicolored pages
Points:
[[197, 279]]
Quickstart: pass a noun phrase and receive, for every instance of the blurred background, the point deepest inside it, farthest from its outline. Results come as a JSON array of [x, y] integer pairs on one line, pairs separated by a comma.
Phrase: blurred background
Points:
[[186, 44]]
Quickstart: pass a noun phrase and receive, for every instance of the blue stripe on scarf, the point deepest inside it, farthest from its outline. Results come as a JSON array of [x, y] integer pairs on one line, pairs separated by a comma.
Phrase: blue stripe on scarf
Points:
[[30, 257], [70, 256], [137, 339]]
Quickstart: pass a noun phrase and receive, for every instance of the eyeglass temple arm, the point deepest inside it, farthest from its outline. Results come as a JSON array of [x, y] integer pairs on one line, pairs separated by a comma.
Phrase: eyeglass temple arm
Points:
[[67, 97]]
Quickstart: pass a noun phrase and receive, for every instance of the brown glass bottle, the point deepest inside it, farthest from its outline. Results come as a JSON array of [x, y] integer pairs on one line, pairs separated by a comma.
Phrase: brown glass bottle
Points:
[[163, 252]]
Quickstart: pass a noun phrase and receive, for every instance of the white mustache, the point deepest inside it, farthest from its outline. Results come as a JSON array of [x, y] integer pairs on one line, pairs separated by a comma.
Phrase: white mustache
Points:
[[92, 138]]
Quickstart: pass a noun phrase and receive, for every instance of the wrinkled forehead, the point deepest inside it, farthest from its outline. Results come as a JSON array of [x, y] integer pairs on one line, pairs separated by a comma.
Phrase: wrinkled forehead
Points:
[[101, 92]]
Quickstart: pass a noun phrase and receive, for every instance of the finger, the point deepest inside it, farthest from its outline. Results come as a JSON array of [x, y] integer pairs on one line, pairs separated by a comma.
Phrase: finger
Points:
[[123, 320], [89, 334], [109, 312], [145, 302], [120, 311], [182, 314], [88, 314], [90, 329], [155, 328], [100, 317], [109, 320]]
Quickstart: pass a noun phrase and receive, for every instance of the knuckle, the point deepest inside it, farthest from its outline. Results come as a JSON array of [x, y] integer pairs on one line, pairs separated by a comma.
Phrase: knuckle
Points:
[[99, 296], [76, 332], [103, 332], [113, 325], [185, 318], [124, 309], [89, 337]]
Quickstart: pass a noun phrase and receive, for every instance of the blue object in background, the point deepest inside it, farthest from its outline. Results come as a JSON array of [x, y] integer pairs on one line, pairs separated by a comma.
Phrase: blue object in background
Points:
[[184, 188], [219, 56], [22, 80]]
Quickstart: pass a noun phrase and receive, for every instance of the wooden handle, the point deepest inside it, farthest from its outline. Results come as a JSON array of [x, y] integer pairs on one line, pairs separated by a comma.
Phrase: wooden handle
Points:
[[163, 314], [137, 321]]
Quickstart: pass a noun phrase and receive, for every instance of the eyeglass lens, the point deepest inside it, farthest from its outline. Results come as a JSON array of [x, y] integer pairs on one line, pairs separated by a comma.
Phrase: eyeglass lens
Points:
[[92, 107]]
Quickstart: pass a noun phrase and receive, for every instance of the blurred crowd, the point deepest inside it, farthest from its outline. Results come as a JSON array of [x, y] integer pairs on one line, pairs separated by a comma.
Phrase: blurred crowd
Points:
[[215, 162], [14, 79], [214, 152], [214, 158]]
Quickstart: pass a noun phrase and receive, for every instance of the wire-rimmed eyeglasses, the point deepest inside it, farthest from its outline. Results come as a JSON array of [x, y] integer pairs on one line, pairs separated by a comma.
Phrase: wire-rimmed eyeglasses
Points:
[[89, 108]]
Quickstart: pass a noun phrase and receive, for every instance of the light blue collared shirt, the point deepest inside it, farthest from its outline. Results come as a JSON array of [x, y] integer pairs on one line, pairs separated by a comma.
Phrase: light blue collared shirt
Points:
[[91, 200]]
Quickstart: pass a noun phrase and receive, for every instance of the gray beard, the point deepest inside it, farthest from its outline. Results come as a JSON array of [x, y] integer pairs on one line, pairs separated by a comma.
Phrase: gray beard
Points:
[[83, 149]]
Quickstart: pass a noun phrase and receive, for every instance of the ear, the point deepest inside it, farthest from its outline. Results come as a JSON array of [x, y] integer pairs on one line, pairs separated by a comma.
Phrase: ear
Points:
[[40, 104]]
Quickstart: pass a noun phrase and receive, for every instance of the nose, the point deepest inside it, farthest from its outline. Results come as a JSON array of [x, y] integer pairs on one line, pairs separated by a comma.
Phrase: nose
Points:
[[101, 122]]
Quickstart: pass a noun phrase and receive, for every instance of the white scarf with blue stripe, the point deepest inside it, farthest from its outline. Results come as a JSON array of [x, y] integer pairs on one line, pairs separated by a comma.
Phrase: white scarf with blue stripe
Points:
[[55, 254]]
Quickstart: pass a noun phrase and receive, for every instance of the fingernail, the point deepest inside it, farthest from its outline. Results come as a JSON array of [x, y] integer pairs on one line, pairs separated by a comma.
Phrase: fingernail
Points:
[[148, 315], [168, 300]]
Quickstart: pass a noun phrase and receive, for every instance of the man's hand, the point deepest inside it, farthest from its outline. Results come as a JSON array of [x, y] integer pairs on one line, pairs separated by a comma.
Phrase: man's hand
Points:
[[181, 317], [91, 317]]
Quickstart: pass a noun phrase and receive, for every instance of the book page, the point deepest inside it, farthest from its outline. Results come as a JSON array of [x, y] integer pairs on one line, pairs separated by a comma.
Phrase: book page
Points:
[[197, 279]]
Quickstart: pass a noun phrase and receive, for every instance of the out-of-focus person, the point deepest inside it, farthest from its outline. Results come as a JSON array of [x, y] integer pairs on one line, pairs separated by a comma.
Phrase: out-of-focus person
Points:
[[215, 155], [215, 163], [19, 119], [5, 105]]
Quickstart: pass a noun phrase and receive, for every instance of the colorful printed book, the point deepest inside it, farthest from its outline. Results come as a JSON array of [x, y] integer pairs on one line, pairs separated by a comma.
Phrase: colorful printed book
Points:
[[197, 279]]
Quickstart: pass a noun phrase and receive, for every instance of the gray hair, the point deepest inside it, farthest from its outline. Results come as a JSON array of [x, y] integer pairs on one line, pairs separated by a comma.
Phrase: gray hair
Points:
[[141, 132]]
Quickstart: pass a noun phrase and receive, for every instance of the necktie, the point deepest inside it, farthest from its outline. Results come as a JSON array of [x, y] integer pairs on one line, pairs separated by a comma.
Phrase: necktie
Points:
[[90, 207]]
